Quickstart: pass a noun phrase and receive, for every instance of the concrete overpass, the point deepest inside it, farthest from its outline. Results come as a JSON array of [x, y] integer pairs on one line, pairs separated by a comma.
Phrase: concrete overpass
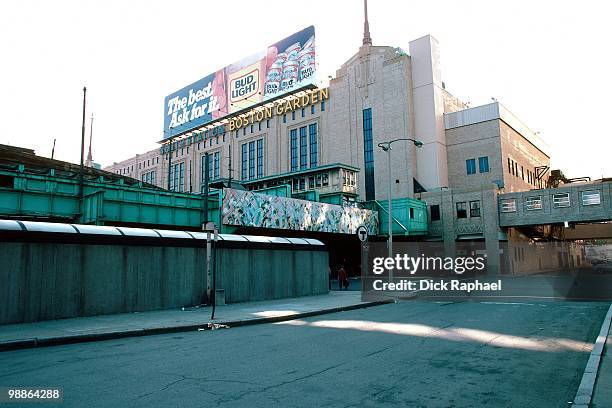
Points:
[[573, 203]]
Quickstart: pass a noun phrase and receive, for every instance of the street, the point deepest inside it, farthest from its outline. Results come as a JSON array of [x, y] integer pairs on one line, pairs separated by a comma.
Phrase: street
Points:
[[410, 354]]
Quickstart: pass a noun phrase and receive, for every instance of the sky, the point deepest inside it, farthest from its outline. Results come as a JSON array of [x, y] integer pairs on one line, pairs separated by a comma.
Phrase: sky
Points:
[[548, 62]]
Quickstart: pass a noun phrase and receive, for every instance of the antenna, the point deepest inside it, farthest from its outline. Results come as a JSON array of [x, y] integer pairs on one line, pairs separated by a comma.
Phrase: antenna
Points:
[[89, 159], [53, 149]]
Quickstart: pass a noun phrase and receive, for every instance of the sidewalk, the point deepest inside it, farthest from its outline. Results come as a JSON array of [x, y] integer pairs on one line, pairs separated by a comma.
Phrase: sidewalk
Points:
[[105, 327], [602, 395], [595, 389]]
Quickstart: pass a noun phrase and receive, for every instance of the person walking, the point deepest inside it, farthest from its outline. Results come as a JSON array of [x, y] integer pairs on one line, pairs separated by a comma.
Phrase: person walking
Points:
[[342, 278]]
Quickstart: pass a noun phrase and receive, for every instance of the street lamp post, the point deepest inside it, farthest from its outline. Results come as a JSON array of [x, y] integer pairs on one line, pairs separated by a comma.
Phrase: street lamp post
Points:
[[386, 146]]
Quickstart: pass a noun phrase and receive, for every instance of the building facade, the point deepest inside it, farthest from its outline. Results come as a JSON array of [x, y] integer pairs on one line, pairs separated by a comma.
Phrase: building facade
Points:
[[323, 143]]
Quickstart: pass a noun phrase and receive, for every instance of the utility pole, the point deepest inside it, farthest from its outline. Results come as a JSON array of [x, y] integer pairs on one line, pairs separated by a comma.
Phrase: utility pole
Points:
[[229, 169], [82, 154], [206, 183], [386, 146], [169, 163]]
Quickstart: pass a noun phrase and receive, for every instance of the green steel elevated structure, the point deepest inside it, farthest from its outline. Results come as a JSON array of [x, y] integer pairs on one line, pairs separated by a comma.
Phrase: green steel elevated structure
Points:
[[38, 188]]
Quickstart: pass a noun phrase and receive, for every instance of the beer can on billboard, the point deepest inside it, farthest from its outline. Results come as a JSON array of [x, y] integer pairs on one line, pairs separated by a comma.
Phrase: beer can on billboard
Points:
[[306, 59], [292, 51], [290, 74]]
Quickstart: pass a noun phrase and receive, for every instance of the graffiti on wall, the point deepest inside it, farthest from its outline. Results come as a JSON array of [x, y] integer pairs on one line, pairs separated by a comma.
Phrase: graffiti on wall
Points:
[[248, 209]]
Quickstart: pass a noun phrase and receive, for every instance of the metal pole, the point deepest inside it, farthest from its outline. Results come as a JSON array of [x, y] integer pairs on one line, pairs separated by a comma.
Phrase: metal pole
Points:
[[229, 149], [390, 208], [82, 154], [208, 255], [214, 273], [206, 182], [53, 149], [169, 163]]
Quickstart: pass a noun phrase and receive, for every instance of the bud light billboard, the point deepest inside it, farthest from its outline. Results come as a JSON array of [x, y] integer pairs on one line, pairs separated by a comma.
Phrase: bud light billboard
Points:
[[280, 69]]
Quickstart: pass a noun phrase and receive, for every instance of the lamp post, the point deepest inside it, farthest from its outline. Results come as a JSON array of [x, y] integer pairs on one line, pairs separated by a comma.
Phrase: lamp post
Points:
[[386, 146]]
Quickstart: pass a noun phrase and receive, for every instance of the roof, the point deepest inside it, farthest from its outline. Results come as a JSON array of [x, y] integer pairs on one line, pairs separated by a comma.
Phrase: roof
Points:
[[25, 227]]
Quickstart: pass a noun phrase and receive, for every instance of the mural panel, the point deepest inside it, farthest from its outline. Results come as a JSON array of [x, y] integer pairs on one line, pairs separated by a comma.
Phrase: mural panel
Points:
[[245, 208]]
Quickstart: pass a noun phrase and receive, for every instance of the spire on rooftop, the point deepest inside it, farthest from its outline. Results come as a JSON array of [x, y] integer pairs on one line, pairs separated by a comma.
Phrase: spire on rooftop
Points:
[[367, 40]]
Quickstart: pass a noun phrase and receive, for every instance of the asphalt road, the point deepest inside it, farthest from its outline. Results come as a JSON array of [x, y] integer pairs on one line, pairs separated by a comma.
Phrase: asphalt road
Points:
[[410, 354]]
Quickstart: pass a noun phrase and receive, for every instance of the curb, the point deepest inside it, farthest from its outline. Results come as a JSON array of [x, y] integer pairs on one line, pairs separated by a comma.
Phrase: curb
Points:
[[587, 384], [112, 335]]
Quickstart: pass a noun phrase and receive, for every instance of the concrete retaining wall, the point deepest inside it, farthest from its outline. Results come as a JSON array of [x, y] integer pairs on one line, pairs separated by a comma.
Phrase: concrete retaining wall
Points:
[[46, 280]]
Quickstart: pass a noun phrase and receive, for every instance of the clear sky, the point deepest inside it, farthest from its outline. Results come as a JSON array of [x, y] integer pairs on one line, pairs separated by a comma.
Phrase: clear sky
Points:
[[548, 62]]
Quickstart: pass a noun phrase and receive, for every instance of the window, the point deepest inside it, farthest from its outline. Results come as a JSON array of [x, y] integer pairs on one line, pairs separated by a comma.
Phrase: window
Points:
[[260, 162], [461, 210], [251, 160], [216, 165], [533, 203], [470, 165], [483, 164], [325, 179], [293, 115], [591, 197], [303, 112], [561, 200], [285, 118], [368, 152], [312, 130], [243, 172], [149, 177], [268, 123], [522, 173], [303, 149], [293, 138], [435, 212], [411, 213], [203, 167], [508, 205], [475, 209], [177, 177], [259, 126], [322, 106], [509, 166], [312, 109]]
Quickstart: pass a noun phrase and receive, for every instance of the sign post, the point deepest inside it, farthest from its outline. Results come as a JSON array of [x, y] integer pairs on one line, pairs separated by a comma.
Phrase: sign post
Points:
[[362, 234]]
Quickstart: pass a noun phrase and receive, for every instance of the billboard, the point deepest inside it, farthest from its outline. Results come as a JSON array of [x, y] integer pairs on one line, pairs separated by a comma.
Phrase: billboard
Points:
[[280, 69]]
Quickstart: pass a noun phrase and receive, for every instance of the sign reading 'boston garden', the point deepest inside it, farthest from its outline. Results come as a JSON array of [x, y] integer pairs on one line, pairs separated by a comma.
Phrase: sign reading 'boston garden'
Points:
[[255, 115], [284, 67]]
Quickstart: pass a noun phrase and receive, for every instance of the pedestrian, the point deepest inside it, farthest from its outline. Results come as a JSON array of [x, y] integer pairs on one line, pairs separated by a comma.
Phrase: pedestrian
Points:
[[342, 278]]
